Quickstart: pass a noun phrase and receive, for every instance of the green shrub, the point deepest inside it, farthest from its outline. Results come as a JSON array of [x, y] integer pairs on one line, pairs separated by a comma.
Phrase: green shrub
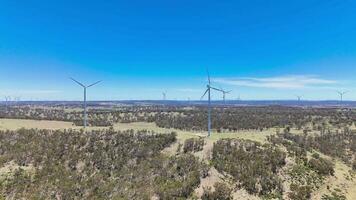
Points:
[[193, 145], [221, 192], [300, 192], [316, 155], [322, 166]]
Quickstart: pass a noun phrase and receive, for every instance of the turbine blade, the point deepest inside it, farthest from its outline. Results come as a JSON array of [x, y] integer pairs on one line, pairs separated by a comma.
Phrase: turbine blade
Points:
[[207, 71], [93, 84], [204, 94], [217, 89], [79, 83]]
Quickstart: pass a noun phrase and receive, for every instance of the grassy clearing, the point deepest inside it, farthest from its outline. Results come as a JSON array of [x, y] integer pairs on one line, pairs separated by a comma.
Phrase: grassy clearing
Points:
[[13, 124]]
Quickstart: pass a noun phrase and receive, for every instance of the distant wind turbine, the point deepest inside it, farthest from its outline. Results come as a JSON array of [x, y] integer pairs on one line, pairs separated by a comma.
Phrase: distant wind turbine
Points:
[[85, 98], [239, 98], [299, 97], [208, 90], [341, 94], [224, 92], [7, 102], [164, 95]]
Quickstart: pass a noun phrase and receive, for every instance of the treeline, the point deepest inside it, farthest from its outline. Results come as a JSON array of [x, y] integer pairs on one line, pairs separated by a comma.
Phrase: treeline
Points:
[[194, 118], [104, 164], [256, 118], [95, 117]]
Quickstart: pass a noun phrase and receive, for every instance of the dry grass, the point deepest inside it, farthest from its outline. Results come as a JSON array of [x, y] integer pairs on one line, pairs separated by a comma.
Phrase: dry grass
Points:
[[7, 171], [338, 181], [13, 124]]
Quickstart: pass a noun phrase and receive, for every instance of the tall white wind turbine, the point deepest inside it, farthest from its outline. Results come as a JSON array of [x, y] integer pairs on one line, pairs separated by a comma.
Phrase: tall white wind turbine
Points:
[[85, 98], [208, 90]]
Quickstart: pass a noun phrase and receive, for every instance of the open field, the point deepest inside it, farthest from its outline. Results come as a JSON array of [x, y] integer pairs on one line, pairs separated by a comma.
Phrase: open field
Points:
[[13, 124]]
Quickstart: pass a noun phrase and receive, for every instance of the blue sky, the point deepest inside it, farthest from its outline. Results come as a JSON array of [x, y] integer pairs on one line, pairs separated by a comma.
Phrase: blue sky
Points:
[[260, 49]]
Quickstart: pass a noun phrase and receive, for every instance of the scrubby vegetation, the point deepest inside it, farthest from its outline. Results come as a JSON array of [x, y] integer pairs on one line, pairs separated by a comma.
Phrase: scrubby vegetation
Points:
[[221, 191], [335, 195], [193, 145], [95, 165], [253, 165], [179, 177], [308, 173], [335, 144]]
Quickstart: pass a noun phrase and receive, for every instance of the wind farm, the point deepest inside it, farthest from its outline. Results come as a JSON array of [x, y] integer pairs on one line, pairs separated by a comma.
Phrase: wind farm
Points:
[[196, 100]]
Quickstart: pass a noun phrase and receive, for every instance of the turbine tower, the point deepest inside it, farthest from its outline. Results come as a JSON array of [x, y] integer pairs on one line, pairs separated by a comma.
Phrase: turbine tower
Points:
[[85, 98], [342, 93], [208, 90]]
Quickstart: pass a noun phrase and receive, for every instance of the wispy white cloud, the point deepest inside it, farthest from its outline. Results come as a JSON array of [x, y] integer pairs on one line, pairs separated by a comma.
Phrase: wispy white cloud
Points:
[[280, 82]]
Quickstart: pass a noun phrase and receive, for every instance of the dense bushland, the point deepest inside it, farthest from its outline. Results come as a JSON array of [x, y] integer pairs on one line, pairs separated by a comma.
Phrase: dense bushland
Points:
[[194, 118], [193, 145], [94, 165], [335, 144], [253, 165]]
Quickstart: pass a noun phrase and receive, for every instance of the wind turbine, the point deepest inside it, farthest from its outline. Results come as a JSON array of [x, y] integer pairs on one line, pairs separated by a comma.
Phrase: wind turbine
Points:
[[299, 97], [164, 94], [342, 93], [7, 101], [239, 98], [208, 90], [85, 98], [224, 92]]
